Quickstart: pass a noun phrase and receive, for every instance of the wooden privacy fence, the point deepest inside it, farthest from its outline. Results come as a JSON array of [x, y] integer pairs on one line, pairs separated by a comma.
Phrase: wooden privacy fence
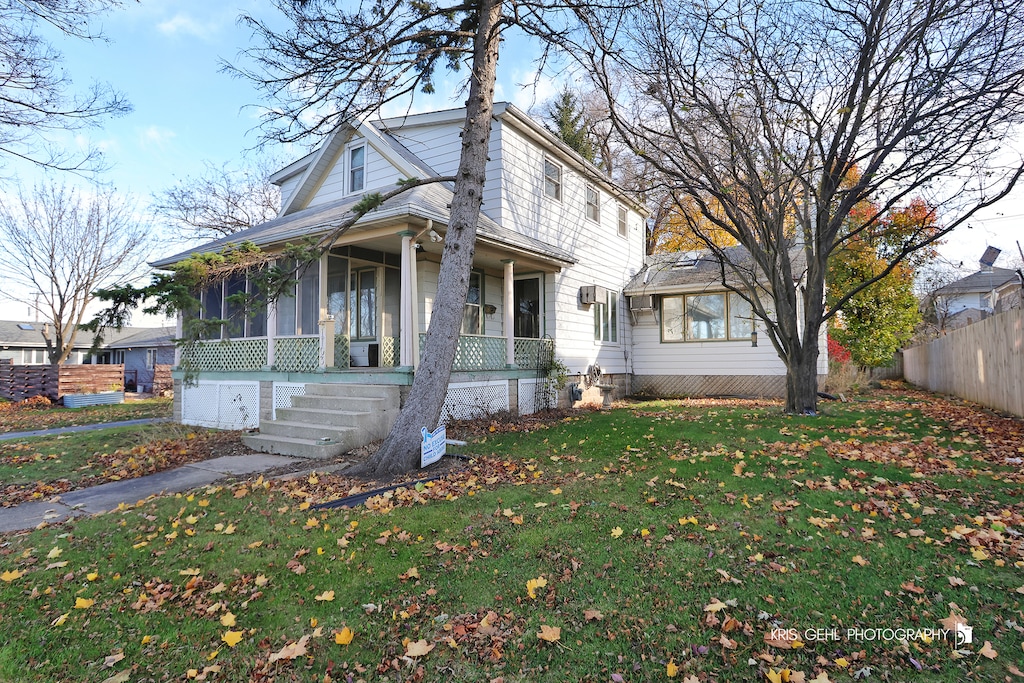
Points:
[[18, 382], [983, 362]]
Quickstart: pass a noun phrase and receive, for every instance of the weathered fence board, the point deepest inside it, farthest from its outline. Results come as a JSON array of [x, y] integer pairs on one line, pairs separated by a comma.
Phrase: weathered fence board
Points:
[[18, 382], [982, 362]]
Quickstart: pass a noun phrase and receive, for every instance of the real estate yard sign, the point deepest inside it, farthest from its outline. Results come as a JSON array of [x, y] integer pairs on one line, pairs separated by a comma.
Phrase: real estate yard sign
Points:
[[433, 446]]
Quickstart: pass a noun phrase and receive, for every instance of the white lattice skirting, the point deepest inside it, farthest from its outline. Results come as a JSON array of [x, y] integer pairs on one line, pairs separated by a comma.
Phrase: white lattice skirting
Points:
[[469, 400], [283, 392], [221, 405], [535, 395]]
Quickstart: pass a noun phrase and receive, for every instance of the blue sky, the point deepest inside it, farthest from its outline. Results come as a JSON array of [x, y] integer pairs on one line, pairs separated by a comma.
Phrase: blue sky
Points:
[[166, 57]]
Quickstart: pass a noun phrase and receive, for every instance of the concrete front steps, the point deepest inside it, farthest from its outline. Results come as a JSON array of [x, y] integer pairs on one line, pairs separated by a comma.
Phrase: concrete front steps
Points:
[[330, 419]]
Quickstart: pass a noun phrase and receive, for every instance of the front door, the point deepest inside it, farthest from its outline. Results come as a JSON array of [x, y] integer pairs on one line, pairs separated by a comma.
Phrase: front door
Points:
[[527, 307]]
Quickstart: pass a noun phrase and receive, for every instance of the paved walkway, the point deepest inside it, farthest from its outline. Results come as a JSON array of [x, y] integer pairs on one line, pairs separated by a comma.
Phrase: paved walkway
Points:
[[108, 496], [81, 428]]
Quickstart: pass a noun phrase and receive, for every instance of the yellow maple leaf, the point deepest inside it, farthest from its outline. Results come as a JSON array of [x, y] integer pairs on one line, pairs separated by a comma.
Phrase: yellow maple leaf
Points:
[[842, 663], [616, 532], [84, 603], [533, 584], [344, 636], [92, 576], [326, 596], [232, 638], [146, 640], [227, 619], [979, 554], [11, 575], [59, 621], [671, 670], [551, 634], [55, 553], [683, 521], [857, 559], [203, 503], [715, 605], [556, 491]]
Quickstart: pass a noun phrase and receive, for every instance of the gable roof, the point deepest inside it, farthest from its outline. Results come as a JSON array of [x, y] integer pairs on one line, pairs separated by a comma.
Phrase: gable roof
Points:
[[979, 282]]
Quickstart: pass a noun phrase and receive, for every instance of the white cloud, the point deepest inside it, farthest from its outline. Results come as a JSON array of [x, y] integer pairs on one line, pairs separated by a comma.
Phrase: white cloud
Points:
[[183, 24], [155, 137]]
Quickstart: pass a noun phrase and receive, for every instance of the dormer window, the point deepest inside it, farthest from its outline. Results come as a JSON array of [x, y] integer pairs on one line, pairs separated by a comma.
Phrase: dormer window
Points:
[[356, 168], [552, 180]]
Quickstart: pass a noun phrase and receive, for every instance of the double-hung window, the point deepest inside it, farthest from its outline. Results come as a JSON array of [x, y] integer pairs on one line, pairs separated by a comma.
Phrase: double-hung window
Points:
[[472, 315], [606, 318], [356, 168], [552, 180], [623, 226], [593, 198]]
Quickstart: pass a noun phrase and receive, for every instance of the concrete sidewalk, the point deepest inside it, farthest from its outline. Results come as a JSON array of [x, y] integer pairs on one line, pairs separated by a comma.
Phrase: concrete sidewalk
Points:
[[108, 496], [10, 436]]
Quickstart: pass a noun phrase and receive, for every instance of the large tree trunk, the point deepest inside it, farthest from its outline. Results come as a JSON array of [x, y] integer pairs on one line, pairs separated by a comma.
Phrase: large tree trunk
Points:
[[400, 451], [802, 385]]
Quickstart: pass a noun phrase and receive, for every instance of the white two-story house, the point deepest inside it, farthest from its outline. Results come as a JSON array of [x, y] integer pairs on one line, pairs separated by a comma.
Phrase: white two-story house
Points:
[[556, 243]]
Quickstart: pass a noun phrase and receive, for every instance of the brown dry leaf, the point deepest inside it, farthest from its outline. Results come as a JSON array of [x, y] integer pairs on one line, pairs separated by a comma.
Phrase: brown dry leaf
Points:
[[910, 587], [122, 677], [418, 648], [857, 559], [291, 650], [988, 651], [956, 581], [781, 643], [111, 660], [715, 605], [592, 615], [727, 642], [551, 634]]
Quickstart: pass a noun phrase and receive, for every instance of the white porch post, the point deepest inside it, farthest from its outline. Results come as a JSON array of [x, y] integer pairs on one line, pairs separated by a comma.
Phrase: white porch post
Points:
[[179, 332], [414, 328], [509, 324], [271, 331], [406, 331]]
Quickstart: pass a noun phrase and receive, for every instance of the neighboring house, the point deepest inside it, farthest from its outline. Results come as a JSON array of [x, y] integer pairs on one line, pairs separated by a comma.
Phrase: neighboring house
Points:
[[972, 298], [556, 241], [139, 349], [692, 336], [1009, 295], [23, 343]]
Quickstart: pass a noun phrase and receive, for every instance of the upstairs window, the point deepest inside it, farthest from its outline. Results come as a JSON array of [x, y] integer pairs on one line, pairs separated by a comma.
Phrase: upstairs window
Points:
[[623, 228], [356, 168], [593, 204], [552, 180]]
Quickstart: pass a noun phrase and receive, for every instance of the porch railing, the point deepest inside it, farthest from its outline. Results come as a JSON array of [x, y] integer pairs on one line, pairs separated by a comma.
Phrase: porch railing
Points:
[[302, 354], [232, 355]]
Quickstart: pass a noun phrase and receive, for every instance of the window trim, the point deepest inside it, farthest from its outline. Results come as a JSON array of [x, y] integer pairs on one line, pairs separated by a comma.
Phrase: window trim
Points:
[[606, 318], [727, 318], [557, 182], [349, 169], [623, 221], [595, 205]]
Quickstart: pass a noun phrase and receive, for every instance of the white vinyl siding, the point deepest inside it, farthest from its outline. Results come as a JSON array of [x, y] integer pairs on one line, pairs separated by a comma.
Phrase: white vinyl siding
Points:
[[378, 174]]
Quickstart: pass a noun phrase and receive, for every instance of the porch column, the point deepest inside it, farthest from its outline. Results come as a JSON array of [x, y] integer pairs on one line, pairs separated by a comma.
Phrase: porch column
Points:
[[179, 332], [406, 333], [271, 331], [414, 329], [507, 303]]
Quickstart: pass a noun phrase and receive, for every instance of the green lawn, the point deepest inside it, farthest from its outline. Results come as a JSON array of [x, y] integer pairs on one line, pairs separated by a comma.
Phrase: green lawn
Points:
[[22, 417], [699, 541]]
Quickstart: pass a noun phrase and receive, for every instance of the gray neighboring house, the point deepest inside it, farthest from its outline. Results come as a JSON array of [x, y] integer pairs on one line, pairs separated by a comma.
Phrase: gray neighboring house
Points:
[[139, 349], [974, 297]]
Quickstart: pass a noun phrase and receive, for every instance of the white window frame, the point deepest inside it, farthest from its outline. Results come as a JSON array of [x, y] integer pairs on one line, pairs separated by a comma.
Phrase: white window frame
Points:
[[606, 319], [734, 329], [623, 221], [556, 183], [151, 358], [592, 209], [350, 186]]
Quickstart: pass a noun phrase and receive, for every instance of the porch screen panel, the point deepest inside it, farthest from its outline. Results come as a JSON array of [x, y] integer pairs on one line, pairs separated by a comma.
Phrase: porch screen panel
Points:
[[257, 322], [212, 302], [234, 311], [337, 286], [363, 304], [309, 300]]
